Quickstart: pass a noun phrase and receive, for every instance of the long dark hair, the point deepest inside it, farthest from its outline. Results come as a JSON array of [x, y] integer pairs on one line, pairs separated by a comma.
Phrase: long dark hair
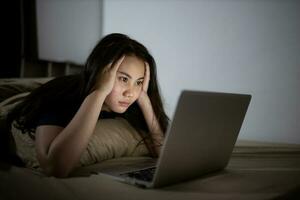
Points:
[[67, 88]]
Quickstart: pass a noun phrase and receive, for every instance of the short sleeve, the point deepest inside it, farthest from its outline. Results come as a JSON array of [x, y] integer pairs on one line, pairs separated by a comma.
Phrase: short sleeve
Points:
[[59, 116], [54, 118], [63, 115]]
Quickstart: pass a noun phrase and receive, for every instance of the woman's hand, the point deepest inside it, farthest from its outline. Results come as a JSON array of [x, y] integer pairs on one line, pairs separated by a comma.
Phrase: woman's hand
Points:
[[106, 79], [146, 106], [144, 96]]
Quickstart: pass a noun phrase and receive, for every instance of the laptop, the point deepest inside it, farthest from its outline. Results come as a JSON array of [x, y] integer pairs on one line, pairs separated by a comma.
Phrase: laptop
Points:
[[199, 140]]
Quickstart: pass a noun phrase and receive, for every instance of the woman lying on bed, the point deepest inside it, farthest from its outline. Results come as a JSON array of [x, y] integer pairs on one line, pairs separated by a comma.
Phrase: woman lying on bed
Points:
[[117, 84]]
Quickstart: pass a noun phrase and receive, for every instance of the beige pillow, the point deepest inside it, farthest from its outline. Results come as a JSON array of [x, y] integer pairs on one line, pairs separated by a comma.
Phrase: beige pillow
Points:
[[25, 148], [9, 103], [113, 138], [13, 86], [6, 106]]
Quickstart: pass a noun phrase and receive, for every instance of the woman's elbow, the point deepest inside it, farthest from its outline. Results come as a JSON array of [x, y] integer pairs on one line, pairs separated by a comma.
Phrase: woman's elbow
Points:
[[58, 170]]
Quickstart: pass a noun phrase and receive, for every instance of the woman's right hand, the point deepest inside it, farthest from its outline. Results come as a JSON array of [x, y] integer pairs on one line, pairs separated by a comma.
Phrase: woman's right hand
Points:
[[106, 79]]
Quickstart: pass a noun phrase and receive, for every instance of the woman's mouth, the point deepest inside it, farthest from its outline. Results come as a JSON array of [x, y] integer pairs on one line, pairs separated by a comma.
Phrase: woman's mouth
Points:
[[124, 104]]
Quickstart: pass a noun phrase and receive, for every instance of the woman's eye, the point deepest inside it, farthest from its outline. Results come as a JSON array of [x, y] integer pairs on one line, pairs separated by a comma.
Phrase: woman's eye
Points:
[[139, 83], [123, 79]]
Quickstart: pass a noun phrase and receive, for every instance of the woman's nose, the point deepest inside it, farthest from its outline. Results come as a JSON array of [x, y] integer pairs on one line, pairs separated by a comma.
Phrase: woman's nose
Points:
[[128, 92]]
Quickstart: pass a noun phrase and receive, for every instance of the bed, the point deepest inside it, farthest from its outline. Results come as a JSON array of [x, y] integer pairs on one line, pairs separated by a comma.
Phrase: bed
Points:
[[256, 170]]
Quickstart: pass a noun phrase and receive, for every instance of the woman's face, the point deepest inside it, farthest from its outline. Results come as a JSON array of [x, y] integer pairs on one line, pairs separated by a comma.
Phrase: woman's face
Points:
[[128, 85]]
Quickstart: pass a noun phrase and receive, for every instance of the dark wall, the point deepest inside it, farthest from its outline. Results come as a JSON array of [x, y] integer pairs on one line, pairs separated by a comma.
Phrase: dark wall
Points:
[[11, 40], [20, 36]]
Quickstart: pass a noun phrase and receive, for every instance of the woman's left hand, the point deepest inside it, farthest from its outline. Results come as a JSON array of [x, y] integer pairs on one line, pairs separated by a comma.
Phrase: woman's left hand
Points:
[[146, 106], [144, 96]]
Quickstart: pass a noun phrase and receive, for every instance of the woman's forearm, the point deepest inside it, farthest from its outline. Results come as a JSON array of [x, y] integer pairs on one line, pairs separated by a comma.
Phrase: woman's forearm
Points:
[[154, 127], [66, 149]]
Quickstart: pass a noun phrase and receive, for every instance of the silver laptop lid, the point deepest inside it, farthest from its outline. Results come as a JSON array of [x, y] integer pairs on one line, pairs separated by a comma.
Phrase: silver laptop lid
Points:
[[202, 135]]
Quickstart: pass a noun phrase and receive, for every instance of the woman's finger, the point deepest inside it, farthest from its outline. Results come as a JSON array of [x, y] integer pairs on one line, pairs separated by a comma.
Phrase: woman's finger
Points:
[[114, 67], [147, 77], [117, 65], [107, 67]]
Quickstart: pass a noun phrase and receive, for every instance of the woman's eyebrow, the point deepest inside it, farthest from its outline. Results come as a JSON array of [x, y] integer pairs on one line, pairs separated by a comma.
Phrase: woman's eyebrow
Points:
[[124, 73]]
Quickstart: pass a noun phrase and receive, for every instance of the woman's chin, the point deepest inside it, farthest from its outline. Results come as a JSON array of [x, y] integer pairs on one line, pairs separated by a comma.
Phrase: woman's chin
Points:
[[120, 110]]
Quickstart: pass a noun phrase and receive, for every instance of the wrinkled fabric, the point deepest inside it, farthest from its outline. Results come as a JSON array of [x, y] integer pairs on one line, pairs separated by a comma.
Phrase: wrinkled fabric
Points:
[[112, 138]]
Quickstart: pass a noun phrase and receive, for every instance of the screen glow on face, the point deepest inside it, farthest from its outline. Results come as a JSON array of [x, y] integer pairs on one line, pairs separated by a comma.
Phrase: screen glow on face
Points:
[[128, 85]]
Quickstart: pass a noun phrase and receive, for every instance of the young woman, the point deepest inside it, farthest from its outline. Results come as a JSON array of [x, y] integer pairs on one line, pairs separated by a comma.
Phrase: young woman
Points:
[[119, 78]]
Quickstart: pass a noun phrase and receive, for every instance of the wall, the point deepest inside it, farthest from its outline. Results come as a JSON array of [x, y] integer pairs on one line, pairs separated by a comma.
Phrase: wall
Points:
[[245, 46], [68, 29]]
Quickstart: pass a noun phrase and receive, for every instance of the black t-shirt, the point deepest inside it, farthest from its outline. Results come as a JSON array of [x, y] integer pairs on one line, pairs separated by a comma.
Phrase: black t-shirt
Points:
[[62, 115]]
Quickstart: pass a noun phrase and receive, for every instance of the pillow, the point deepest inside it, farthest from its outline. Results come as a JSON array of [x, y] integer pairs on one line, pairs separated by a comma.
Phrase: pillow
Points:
[[7, 141], [10, 103], [5, 107], [13, 86], [112, 138], [25, 148]]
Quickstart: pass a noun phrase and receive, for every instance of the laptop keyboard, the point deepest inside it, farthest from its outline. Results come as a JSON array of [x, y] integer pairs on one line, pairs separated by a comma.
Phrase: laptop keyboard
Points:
[[143, 174]]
